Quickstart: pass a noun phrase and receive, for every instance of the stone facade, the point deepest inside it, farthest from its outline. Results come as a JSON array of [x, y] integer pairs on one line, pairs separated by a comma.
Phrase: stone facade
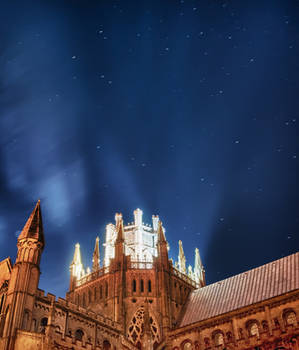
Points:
[[139, 299]]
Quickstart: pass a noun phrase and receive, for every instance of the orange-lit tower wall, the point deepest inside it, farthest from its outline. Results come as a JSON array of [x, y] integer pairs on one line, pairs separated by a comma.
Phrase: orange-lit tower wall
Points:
[[24, 279]]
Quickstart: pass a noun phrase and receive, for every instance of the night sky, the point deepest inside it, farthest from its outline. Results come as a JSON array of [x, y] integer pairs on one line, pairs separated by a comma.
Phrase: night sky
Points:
[[185, 109]]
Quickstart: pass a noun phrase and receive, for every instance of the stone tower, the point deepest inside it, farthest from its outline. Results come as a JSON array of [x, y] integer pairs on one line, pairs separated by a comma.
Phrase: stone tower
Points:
[[24, 279], [137, 286]]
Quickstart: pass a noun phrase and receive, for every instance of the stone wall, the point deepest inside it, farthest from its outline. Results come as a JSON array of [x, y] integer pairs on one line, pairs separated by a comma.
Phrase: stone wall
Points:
[[264, 326]]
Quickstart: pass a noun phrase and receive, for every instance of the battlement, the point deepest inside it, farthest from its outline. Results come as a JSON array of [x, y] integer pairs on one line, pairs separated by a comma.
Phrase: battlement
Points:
[[185, 277], [92, 276], [50, 299]]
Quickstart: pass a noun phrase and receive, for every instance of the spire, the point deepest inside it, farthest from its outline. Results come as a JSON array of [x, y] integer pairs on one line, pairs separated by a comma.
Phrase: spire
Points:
[[96, 256], [34, 226], [198, 268], [161, 236], [197, 262], [77, 255], [76, 265], [182, 258]]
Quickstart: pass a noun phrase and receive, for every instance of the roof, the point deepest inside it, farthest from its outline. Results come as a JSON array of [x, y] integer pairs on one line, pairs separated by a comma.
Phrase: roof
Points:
[[264, 282], [34, 226]]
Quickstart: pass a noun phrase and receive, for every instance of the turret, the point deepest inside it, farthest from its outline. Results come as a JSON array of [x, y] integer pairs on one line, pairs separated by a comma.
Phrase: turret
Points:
[[182, 258], [96, 256], [24, 277], [138, 217], [155, 219]]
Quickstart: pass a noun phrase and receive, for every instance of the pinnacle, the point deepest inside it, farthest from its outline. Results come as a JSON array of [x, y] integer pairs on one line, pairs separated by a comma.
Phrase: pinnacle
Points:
[[96, 255], [34, 226], [161, 236], [120, 231]]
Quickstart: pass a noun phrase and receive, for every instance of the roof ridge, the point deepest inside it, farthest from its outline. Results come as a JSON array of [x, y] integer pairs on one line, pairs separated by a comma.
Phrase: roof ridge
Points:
[[244, 272]]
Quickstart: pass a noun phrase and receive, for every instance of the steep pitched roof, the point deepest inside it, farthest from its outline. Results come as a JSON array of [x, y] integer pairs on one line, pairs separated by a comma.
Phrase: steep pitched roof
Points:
[[34, 226], [264, 282], [5, 270]]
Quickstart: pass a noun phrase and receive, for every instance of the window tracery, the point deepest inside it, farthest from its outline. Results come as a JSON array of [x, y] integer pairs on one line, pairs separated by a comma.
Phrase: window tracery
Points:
[[253, 329], [290, 318], [187, 346], [79, 334], [136, 328], [219, 339]]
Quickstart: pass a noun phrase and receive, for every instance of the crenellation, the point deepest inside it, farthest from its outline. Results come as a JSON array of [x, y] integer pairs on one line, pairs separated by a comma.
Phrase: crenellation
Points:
[[40, 293]]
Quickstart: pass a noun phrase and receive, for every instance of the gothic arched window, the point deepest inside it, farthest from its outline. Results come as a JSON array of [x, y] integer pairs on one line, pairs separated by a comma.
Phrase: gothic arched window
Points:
[[149, 286], [219, 339], [187, 346], [141, 286], [290, 318], [136, 328], [25, 320], [79, 334], [43, 324], [253, 329], [134, 286], [106, 345]]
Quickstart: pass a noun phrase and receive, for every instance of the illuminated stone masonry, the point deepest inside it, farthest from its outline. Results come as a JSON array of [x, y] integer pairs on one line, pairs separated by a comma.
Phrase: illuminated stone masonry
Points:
[[138, 299]]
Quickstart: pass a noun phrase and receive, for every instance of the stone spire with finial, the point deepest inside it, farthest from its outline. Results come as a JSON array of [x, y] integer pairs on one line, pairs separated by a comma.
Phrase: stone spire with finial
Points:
[[96, 256]]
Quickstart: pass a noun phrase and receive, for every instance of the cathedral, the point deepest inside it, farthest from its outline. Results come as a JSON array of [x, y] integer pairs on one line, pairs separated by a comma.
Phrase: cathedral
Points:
[[136, 298]]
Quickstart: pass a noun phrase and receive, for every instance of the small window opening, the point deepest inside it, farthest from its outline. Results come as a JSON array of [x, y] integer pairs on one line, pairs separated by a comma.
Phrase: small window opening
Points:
[[149, 286], [141, 286]]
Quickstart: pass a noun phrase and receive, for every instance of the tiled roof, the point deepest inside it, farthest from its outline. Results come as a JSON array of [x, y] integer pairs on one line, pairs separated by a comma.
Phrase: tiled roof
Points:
[[264, 282]]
